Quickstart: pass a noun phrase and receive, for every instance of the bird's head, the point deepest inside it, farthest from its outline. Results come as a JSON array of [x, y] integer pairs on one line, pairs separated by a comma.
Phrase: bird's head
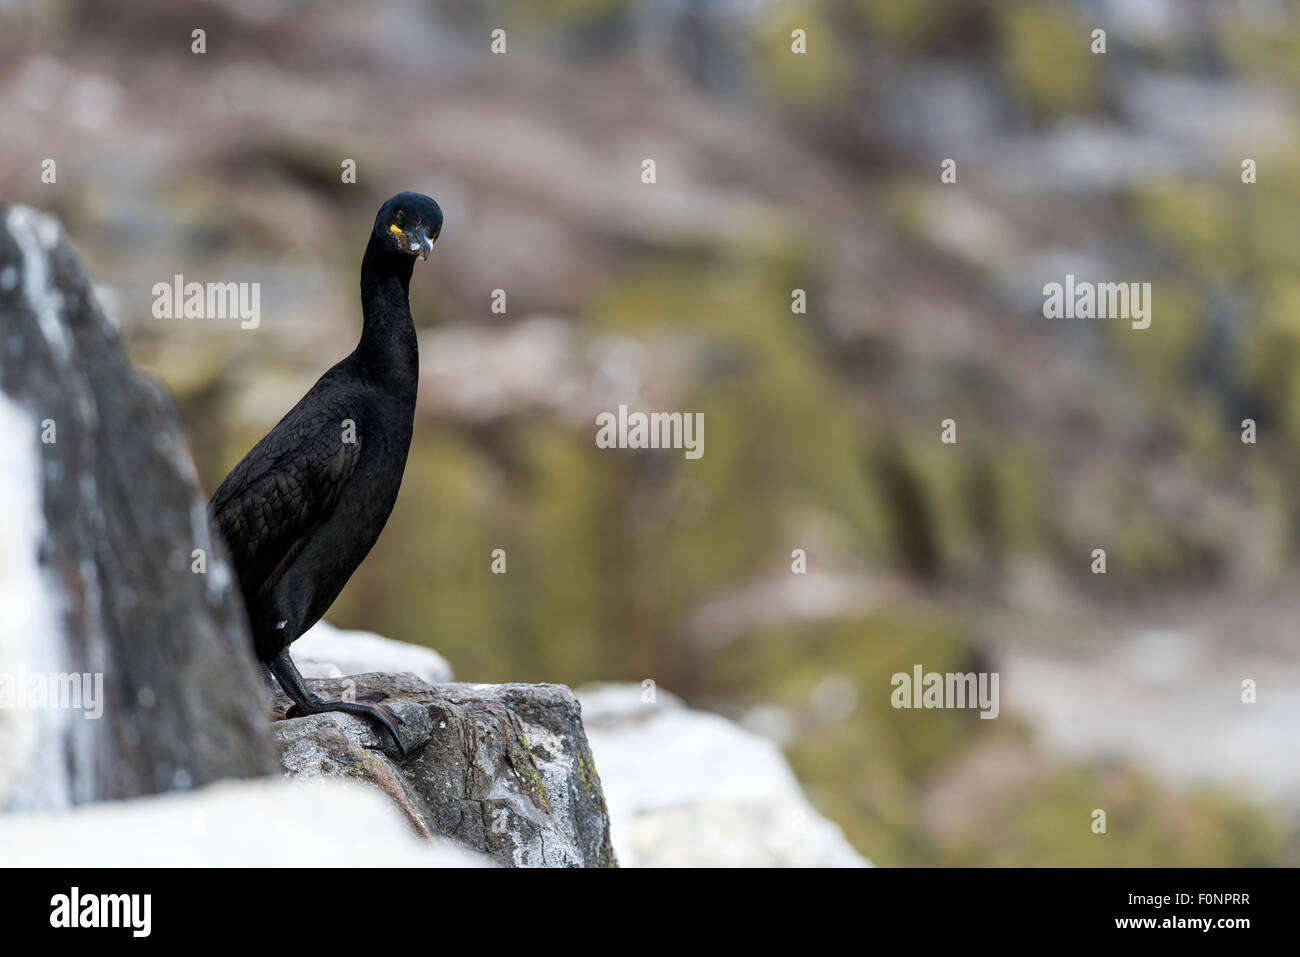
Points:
[[409, 223]]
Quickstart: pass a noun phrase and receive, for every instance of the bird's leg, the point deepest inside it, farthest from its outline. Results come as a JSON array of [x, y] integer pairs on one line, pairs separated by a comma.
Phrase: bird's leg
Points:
[[270, 687], [305, 701], [273, 686]]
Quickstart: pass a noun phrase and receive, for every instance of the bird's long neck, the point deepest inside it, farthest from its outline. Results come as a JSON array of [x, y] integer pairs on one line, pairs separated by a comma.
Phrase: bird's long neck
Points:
[[387, 354]]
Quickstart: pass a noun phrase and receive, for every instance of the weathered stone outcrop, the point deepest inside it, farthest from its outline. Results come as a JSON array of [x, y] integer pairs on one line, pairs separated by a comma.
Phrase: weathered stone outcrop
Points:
[[501, 769], [101, 518]]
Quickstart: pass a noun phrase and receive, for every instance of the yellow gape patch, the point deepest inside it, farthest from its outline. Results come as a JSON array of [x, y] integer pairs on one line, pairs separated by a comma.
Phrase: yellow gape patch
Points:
[[397, 232]]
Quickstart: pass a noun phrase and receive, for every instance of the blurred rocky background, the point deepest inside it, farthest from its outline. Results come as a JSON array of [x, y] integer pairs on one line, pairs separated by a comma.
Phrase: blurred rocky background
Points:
[[775, 171]]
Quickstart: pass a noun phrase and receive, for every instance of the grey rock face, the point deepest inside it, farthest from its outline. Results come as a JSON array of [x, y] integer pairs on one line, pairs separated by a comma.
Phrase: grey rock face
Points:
[[501, 769], [102, 516]]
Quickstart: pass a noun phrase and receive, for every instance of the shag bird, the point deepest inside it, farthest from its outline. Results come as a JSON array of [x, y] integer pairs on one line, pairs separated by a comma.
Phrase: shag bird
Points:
[[304, 506]]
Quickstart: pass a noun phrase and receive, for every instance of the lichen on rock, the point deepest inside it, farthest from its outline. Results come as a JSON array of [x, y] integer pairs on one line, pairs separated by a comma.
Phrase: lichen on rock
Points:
[[501, 769]]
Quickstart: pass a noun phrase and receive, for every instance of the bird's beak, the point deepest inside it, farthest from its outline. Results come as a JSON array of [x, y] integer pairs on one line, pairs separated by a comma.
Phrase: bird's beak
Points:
[[416, 241], [420, 242]]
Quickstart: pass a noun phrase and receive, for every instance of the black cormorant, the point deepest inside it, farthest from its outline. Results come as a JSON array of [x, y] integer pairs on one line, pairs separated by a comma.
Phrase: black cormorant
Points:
[[304, 506]]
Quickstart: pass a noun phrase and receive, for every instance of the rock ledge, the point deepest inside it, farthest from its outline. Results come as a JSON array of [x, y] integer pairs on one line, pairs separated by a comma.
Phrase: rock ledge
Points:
[[501, 769]]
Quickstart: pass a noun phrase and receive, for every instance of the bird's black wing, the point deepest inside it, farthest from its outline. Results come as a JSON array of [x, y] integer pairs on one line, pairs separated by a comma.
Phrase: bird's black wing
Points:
[[284, 489]]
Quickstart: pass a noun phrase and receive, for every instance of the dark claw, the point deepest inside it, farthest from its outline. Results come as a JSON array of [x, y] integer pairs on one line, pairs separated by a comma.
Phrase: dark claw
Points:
[[362, 708], [388, 719], [387, 713], [306, 702], [364, 696]]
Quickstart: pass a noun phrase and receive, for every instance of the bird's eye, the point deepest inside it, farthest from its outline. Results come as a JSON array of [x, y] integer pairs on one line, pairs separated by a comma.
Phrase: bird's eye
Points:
[[401, 218]]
